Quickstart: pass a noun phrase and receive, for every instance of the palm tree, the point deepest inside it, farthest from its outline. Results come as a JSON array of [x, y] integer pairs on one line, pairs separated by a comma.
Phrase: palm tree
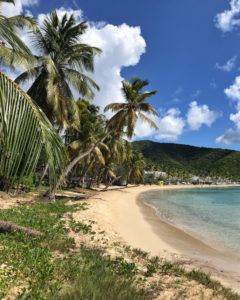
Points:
[[135, 107], [24, 133], [61, 62], [12, 50], [126, 116], [135, 168]]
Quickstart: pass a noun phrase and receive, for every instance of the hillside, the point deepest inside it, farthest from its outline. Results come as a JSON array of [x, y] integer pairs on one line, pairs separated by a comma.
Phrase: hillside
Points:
[[190, 159]]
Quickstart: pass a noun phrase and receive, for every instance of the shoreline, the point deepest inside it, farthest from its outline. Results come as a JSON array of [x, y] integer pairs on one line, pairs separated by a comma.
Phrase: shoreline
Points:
[[191, 234], [223, 265], [126, 217]]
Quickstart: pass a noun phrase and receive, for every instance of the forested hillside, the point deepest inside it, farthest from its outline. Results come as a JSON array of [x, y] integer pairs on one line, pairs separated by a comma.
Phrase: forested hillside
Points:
[[201, 161]]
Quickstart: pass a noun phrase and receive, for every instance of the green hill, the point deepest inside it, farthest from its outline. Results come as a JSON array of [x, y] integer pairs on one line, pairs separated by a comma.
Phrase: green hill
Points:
[[203, 161]]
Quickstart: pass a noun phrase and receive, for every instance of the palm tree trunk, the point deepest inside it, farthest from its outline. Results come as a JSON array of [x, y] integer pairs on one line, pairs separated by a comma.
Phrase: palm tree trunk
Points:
[[44, 173], [51, 193], [88, 168], [99, 176]]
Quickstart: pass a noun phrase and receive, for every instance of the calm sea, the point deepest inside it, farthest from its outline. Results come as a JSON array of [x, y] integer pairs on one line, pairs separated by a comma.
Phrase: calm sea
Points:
[[212, 214]]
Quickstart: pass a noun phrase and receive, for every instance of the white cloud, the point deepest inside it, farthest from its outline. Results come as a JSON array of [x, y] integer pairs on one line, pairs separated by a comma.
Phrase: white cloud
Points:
[[143, 129], [9, 9], [122, 46], [233, 92], [229, 19], [171, 126], [199, 115], [232, 135], [228, 66], [235, 118]]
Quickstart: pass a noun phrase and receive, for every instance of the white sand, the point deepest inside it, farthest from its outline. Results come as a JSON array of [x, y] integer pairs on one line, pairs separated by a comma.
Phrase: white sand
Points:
[[124, 216]]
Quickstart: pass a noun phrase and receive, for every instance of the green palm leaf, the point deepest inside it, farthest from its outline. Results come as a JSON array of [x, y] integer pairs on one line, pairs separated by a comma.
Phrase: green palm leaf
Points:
[[127, 113], [24, 133]]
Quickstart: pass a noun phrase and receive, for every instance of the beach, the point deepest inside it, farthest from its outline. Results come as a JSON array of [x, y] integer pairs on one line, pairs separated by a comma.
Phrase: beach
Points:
[[126, 219]]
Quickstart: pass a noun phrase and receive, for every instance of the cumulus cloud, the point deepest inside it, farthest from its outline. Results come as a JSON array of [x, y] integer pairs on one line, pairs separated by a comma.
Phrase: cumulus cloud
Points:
[[228, 66], [199, 115], [232, 135], [229, 19], [9, 9], [122, 46], [171, 126], [235, 118], [233, 92]]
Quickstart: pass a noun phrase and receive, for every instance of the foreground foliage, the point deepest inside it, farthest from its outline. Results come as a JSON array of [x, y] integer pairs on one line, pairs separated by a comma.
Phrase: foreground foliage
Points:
[[13, 50], [25, 133], [46, 268], [52, 267]]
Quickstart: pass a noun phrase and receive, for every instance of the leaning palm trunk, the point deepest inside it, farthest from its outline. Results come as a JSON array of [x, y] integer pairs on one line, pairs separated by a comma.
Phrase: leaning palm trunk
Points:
[[51, 193], [89, 165], [25, 132], [44, 173]]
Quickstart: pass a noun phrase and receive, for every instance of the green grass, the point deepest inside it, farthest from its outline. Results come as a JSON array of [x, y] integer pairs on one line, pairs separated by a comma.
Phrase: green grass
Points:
[[47, 268], [51, 267]]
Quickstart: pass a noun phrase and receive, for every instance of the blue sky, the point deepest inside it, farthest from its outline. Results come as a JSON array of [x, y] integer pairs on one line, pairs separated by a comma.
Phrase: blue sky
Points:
[[188, 50]]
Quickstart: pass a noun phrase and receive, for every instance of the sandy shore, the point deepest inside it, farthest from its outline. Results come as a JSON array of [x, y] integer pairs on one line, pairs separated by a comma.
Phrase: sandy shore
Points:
[[125, 217]]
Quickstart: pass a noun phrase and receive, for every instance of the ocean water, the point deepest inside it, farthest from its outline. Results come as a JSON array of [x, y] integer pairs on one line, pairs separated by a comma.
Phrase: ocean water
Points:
[[211, 214]]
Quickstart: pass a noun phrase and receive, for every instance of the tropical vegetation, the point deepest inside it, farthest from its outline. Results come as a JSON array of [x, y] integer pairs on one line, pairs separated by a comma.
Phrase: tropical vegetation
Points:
[[61, 60], [184, 161], [52, 136], [68, 138]]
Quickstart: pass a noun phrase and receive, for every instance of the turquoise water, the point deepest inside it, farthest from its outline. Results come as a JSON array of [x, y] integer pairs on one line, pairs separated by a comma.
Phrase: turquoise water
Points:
[[211, 214]]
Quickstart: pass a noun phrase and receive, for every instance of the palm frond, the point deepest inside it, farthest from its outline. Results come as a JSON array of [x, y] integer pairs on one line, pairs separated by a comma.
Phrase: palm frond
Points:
[[81, 82], [144, 96], [28, 75], [10, 38], [114, 107], [25, 133], [138, 84], [118, 121], [99, 156], [146, 107], [22, 22], [148, 120]]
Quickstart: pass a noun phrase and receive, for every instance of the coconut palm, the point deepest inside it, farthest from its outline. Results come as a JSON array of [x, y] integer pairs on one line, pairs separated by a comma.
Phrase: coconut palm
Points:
[[24, 133], [135, 107], [12, 49], [61, 62], [126, 116], [136, 168]]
